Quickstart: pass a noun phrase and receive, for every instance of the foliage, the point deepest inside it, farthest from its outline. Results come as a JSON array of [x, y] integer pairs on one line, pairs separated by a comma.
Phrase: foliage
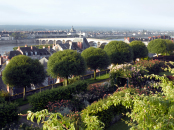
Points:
[[119, 52], [157, 46], [72, 80], [61, 106], [40, 100], [146, 58], [4, 95], [133, 72], [57, 121], [139, 49], [107, 108], [153, 66], [96, 58], [65, 64], [18, 35], [22, 71], [170, 45], [148, 110], [94, 92], [8, 113]]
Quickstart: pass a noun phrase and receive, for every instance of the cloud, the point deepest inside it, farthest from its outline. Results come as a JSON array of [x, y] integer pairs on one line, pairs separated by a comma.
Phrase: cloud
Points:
[[91, 12]]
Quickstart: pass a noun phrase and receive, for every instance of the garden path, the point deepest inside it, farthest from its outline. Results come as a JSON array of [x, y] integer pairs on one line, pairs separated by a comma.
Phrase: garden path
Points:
[[23, 117]]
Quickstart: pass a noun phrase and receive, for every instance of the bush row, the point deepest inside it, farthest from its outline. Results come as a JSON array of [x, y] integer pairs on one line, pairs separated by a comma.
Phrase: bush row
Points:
[[8, 113], [40, 100]]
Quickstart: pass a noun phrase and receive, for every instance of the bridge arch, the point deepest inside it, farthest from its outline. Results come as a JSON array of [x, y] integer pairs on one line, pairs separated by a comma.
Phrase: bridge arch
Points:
[[50, 42], [58, 41], [43, 42], [68, 41], [92, 43]]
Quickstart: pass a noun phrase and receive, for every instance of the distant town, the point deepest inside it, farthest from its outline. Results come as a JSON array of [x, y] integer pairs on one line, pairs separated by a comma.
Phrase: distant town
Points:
[[72, 32]]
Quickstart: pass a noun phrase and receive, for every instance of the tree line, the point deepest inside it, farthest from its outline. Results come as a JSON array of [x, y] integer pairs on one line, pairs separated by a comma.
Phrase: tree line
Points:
[[23, 71]]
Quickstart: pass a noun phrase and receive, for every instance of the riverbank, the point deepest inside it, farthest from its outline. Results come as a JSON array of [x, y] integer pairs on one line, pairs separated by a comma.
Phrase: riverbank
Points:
[[2, 42]]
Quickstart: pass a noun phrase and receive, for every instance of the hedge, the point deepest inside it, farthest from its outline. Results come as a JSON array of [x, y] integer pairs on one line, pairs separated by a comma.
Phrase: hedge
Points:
[[8, 113], [40, 100]]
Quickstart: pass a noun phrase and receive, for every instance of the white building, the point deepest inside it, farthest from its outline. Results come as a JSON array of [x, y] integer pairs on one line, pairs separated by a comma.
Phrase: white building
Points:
[[6, 37], [74, 33]]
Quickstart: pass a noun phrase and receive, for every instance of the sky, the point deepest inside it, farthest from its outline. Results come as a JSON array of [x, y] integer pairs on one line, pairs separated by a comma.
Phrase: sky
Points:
[[100, 13]]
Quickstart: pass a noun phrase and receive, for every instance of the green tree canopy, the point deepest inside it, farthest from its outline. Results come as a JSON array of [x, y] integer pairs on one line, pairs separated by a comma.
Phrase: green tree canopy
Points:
[[139, 49], [95, 58], [119, 52], [157, 46], [66, 63], [170, 45], [22, 71]]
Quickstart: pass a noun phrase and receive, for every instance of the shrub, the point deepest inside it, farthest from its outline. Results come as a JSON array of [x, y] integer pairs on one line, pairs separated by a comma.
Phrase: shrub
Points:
[[5, 95], [8, 113], [94, 92], [40, 100], [153, 66], [105, 109], [60, 106], [120, 73]]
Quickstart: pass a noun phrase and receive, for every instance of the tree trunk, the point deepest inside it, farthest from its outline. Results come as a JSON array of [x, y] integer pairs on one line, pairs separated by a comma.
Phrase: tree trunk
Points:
[[24, 93], [94, 74], [134, 60], [66, 81], [157, 55]]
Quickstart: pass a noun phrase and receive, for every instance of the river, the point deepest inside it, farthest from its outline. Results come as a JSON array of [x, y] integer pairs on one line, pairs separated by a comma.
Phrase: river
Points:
[[116, 39], [9, 47]]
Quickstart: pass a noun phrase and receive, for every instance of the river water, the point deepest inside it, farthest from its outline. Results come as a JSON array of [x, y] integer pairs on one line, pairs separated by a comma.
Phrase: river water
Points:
[[9, 47]]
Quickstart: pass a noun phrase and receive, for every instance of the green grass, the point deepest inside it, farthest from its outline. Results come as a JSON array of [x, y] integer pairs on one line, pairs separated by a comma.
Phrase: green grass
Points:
[[98, 78], [21, 102], [120, 125], [166, 73]]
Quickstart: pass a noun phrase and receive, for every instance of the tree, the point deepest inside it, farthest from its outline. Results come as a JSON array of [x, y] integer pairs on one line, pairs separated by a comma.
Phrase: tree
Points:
[[22, 71], [157, 46], [18, 35], [170, 45], [139, 49], [65, 64], [95, 58], [119, 52]]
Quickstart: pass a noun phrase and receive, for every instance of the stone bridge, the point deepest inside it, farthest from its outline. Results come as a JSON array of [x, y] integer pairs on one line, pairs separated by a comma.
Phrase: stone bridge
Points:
[[66, 40]]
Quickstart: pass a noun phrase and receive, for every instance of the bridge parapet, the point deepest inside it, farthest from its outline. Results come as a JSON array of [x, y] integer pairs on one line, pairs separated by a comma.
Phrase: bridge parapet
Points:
[[64, 40]]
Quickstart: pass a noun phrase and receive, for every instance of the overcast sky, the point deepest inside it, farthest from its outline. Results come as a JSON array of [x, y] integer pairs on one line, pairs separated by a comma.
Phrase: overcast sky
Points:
[[106, 13]]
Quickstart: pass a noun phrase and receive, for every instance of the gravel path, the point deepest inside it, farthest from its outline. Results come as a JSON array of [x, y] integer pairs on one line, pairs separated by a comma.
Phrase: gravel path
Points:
[[23, 118]]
